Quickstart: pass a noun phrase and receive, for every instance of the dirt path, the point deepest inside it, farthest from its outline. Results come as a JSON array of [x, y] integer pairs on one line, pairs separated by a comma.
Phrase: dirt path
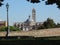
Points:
[[35, 33]]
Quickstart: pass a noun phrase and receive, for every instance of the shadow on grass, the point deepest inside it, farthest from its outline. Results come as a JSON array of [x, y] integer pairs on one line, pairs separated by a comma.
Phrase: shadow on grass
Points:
[[29, 40]]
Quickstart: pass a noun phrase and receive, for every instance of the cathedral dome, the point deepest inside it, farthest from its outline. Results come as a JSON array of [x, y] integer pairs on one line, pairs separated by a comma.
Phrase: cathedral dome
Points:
[[28, 20]]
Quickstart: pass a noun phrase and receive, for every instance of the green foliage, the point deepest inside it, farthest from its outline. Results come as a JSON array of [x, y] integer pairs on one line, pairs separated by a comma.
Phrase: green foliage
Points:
[[3, 28], [12, 28], [34, 1], [49, 23], [50, 2], [58, 25], [40, 27], [1, 2], [47, 2]]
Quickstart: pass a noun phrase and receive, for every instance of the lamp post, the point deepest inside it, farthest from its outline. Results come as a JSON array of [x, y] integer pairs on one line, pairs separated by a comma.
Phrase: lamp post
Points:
[[7, 7]]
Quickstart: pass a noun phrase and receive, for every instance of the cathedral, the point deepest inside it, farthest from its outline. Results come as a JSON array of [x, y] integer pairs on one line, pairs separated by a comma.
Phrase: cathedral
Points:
[[30, 23]]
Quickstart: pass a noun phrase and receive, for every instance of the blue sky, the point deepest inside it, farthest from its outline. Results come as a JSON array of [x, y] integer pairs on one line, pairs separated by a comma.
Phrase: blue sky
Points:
[[19, 10]]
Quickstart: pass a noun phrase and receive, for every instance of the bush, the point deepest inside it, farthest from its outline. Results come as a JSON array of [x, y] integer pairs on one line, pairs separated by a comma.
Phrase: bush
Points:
[[3, 28], [11, 28]]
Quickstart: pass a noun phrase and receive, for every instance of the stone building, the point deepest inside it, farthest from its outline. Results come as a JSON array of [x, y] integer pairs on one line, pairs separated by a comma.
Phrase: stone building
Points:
[[3, 23], [30, 23]]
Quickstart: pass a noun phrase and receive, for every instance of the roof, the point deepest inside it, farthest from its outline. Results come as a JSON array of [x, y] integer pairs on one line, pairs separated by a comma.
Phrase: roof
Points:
[[2, 22]]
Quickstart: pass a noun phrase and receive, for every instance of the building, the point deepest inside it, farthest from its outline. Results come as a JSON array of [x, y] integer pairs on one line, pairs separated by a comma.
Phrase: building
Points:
[[3, 23], [30, 23]]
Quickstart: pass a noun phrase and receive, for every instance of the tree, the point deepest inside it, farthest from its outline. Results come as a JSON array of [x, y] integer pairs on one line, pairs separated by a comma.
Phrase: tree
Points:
[[34, 1], [48, 2], [1, 2], [49, 23], [58, 25]]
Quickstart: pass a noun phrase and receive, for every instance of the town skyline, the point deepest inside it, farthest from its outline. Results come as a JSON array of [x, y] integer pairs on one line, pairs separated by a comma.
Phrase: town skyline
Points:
[[20, 10]]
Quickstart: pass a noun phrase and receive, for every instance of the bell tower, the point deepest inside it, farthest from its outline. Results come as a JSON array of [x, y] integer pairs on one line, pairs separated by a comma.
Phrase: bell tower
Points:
[[33, 15]]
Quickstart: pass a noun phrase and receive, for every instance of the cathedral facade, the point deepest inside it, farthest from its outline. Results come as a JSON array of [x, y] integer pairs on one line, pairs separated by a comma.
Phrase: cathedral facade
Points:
[[30, 23]]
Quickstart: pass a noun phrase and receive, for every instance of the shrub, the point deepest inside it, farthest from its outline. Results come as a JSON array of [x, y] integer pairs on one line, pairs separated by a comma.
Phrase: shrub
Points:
[[11, 28]]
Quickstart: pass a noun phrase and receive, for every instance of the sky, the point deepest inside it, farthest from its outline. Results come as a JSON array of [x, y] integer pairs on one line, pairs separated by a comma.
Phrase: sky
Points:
[[19, 10]]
